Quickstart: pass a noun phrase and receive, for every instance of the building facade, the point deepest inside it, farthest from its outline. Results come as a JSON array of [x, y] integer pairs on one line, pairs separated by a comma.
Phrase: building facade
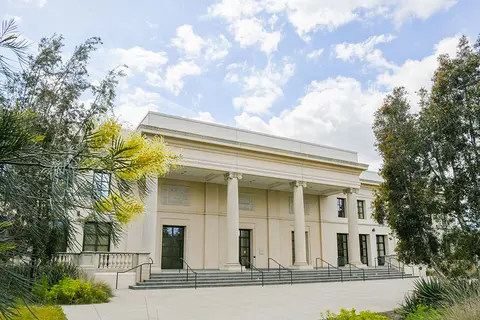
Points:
[[241, 197]]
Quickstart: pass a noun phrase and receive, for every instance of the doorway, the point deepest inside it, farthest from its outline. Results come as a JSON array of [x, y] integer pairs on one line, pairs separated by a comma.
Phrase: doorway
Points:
[[245, 249], [364, 249], [342, 249], [172, 247]]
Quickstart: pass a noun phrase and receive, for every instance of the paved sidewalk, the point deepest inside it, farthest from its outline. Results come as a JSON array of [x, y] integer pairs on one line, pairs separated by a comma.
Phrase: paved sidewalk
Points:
[[300, 301]]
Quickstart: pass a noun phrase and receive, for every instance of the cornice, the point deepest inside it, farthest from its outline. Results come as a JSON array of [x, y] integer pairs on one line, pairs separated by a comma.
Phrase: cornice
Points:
[[191, 137]]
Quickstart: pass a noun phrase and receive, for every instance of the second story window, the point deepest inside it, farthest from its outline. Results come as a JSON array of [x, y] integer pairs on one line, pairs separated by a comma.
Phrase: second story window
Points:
[[101, 184], [341, 207], [361, 209]]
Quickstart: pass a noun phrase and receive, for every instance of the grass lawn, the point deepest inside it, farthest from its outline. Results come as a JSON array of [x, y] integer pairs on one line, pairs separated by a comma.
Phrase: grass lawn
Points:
[[42, 313]]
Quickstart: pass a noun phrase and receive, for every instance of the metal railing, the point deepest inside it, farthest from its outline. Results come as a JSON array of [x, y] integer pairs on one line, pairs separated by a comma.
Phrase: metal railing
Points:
[[390, 257], [188, 267], [251, 269], [363, 270], [328, 267], [391, 266], [140, 265], [279, 269]]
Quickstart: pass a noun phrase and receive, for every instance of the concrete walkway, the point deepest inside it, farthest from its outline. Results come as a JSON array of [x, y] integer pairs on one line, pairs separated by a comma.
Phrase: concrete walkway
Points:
[[300, 301]]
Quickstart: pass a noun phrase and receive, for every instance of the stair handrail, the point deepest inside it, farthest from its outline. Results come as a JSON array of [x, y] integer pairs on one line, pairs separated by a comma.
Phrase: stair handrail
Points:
[[393, 256], [328, 267], [188, 267], [140, 265], [251, 268], [390, 265], [280, 266], [363, 270]]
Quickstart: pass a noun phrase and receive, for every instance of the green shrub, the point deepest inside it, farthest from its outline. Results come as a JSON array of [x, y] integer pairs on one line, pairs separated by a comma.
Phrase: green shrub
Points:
[[427, 292], [75, 291], [424, 313], [439, 294], [41, 313], [352, 315], [54, 272]]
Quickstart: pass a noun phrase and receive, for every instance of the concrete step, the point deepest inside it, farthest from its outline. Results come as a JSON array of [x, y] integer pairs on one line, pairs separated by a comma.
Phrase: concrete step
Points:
[[254, 282]]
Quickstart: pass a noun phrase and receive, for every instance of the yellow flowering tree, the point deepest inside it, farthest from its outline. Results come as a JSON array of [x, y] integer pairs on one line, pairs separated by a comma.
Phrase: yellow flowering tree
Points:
[[131, 162]]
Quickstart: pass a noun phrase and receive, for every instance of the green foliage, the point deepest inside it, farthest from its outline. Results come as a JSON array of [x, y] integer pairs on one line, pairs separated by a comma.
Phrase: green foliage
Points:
[[50, 142], [76, 291], [352, 315], [430, 196], [424, 313], [434, 293], [54, 272], [40, 312]]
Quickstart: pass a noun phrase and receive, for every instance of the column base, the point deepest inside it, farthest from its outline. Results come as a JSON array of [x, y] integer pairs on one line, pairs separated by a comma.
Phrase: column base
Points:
[[232, 267], [301, 266]]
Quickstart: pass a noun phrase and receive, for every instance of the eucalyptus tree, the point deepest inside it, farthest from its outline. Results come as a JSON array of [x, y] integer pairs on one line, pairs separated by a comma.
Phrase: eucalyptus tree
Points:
[[52, 142], [431, 166]]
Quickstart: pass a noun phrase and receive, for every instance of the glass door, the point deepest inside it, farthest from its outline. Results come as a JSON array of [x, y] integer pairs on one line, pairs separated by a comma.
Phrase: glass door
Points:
[[342, 248], [245, 249], [381, 250], [172, 247], [364, 249]]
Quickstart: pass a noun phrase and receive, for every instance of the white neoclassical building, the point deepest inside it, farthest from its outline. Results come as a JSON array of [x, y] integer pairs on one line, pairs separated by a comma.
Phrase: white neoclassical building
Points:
[[242, 197]]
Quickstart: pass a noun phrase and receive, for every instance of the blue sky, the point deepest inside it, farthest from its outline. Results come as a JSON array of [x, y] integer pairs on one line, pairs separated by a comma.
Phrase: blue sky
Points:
[[314, 70]]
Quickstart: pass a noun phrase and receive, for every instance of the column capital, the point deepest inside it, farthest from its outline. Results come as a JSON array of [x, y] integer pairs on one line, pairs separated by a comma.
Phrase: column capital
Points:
[[233, 175], [298, 183], [350, 190]]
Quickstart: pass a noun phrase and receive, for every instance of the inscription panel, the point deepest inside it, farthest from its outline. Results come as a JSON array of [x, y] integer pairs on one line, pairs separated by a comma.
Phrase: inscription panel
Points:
[[175, 195], [245, 202]]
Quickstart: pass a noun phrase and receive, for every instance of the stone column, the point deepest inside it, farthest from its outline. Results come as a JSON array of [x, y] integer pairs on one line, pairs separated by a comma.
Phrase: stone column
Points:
[[151, 236], [299, 232], [353, 234], [233, 221]]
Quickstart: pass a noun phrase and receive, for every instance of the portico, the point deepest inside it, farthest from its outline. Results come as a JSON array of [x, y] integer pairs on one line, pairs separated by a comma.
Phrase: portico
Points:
[[244, 197]]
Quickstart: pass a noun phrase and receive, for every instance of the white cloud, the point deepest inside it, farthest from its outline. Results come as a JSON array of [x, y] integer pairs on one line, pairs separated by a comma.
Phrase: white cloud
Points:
[[417, 74], [17, 19], [365, 51], [38, 3], [315, 54], [193, 46], [262, 88], [249, 32], [205, 117], [307, 16], [132, 107], [339, 111], [139, 59], [336, 111], [152, 25], [174, 76], [187, 41]]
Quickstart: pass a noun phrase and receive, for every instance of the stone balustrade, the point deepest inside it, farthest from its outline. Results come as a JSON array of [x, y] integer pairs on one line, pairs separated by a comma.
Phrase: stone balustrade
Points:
[[103, 261]]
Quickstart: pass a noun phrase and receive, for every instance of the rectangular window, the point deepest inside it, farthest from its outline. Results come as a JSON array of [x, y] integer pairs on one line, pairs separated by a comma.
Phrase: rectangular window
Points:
[[96, 236], [381, 249], [361, 209], [364, 249], [342, 248], [101, 184], [341, 207]]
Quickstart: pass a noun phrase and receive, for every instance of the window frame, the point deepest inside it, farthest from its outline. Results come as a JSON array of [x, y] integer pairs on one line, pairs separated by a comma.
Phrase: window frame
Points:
[[98, 186], [341, 210], [96, 243], [361, 205]]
